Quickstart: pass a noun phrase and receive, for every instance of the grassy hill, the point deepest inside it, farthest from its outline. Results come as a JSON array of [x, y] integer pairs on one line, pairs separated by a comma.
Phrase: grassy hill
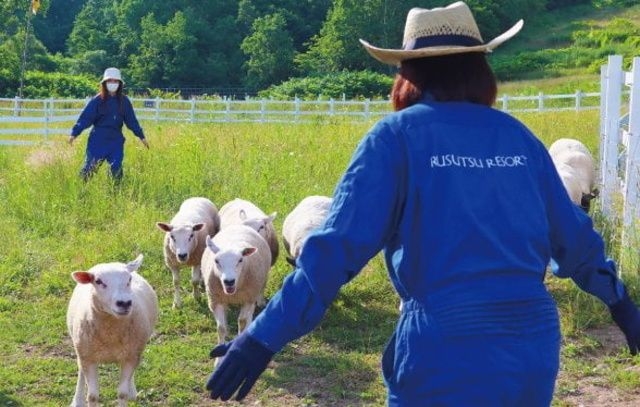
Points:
[[562, 51]]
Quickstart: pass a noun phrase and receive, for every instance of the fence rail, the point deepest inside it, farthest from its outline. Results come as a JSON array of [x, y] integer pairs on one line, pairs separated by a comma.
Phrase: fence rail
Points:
[[46, 117]]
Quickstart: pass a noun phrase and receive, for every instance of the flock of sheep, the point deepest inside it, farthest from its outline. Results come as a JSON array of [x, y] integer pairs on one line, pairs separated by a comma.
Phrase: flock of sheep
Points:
[[113, 310]]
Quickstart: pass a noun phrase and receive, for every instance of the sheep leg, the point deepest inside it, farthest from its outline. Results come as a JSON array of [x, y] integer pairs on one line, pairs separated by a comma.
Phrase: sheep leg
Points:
[[220, 314], [81, 389], [246, 315], [126, 388], [175, 273], [91, 374], [196, 281]]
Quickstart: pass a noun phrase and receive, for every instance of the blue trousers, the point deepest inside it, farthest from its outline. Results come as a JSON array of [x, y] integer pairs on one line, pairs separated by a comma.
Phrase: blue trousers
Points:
[[113, 154], [429, 363]]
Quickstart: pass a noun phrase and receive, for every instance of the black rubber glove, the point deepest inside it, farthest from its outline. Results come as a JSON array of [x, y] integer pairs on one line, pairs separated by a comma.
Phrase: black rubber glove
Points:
[[627, 316], [244, 362]]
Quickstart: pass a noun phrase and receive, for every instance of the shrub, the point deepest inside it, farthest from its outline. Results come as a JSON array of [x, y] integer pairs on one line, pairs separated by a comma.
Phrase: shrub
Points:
[[46, 85], [346, 84]]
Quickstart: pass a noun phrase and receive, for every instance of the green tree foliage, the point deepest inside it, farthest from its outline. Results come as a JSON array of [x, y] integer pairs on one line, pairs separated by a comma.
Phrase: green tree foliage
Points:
[[42, 85], [345, 84], [270, 51], [303, 17], [232, 43], [165, 52], [91, 29], [54, 22]]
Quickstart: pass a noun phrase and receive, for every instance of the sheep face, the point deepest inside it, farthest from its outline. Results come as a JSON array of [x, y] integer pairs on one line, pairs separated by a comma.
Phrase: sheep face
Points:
[[228, 264], [261, 224], [111, 285], [182, 238]]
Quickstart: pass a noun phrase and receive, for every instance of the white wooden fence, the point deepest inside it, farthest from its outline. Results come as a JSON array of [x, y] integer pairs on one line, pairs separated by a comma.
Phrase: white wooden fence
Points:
[[47, 117], [619, 143]]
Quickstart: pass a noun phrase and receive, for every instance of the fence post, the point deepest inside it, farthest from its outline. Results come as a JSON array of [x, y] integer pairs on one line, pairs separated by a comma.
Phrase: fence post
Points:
[[610, 97], [331, 106], [504, 103], [45, 112], [263, 105], [192, 113], [227, 112], [157, 113], [16, 106], [297, 109], [366, 109], [578, 104], [631, 210], [540, 101]]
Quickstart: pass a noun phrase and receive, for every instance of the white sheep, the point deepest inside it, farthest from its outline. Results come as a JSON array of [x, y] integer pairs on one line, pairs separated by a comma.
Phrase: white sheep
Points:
[[184, 241], [240, 211], [111, 316], [576, 168], [235, 267], [308, 215], [567, 144]]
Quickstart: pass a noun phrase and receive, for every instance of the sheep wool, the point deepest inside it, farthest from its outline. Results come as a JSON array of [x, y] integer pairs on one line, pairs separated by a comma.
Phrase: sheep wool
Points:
[[576, 169], [235, 267], [184, 241], [308, 215], [241, 211], [111, 316]]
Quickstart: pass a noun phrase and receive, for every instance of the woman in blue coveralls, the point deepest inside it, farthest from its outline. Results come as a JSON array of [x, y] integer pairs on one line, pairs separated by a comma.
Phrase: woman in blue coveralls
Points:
[[468, 208], [106, 112]]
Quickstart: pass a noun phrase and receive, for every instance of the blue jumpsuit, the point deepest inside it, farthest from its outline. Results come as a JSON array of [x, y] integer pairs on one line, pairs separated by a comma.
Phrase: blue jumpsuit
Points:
[[106, 141], [468, 209]]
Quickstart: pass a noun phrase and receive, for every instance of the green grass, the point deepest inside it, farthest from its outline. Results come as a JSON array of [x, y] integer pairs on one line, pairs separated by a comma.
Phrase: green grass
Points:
[[54, 224]]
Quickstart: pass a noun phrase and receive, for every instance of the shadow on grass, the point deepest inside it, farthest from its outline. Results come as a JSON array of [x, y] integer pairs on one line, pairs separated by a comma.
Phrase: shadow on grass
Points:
[[8, 401], [328, 380], [357, 324]]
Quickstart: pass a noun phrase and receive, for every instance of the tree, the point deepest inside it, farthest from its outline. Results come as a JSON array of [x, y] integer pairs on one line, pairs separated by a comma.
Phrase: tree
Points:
[[54, 22], [270, 51], [91, 33], [336, 46]]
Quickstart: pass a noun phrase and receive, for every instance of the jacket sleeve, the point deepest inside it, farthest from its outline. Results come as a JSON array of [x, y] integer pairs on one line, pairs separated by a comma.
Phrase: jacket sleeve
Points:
[[577, 250], [131, 120], [366, 206], [87, 117]]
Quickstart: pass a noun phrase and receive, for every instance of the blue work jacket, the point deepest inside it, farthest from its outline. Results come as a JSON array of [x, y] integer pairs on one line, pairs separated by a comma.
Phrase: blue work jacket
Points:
[[107, 117], [468, 209]]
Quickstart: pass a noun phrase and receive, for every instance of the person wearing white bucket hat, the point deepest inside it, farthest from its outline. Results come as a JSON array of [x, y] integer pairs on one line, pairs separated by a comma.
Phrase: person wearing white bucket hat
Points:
[[107, 112], [467, 206]]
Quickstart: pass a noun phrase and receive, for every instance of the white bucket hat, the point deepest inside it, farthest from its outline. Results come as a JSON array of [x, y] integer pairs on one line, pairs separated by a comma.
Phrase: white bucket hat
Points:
[[112, 73], [439, 31]]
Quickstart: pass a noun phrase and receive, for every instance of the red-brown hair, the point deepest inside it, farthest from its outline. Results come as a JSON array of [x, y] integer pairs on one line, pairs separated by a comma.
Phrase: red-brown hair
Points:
[[465, 77]]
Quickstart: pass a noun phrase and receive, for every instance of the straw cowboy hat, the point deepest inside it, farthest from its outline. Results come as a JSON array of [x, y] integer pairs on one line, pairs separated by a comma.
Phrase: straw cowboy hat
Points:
[[439, 31], [112, 73]]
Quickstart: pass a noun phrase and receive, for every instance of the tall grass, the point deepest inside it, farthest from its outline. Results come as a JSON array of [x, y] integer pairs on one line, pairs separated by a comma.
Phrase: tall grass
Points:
[[53, 224]]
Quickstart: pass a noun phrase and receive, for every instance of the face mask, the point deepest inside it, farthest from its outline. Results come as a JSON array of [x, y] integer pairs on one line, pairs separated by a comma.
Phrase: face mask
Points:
[[112, 87]]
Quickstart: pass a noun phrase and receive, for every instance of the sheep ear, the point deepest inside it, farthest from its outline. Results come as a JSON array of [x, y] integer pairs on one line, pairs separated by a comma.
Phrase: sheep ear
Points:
[[272, 217], [82, 277], [164, 226], [212, 246], [242, 214], [198, 226], [248, 251], [135, 265]]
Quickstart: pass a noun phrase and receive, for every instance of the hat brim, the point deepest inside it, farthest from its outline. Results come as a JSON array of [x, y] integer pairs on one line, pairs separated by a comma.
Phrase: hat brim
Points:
[[395, 56], [106, 79]]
